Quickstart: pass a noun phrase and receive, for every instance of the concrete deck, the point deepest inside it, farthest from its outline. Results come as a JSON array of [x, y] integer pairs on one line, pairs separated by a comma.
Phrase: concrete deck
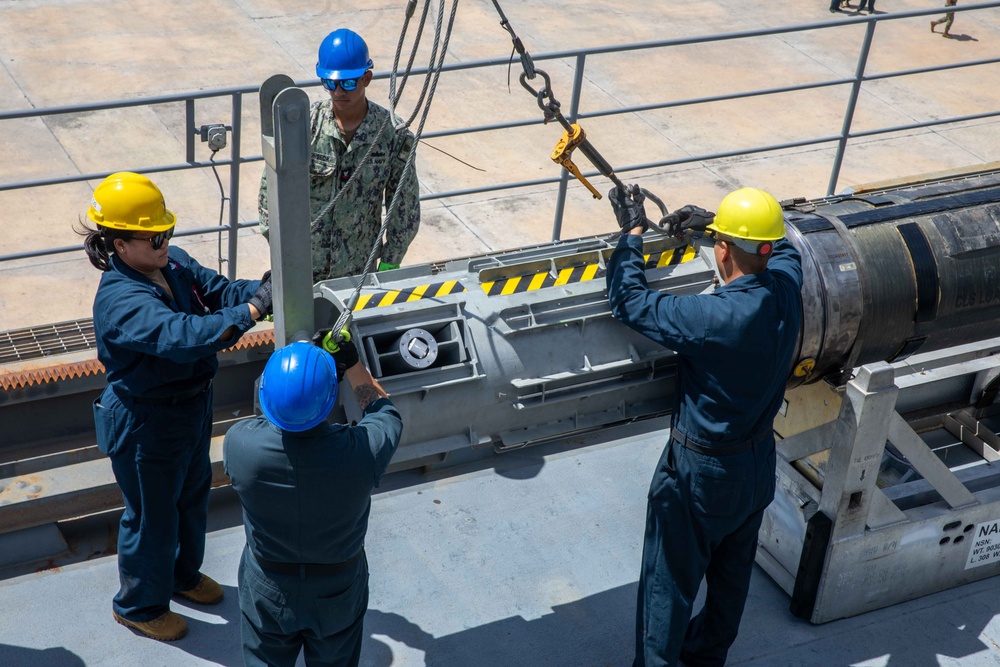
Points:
[[533, 563], [64, 52]]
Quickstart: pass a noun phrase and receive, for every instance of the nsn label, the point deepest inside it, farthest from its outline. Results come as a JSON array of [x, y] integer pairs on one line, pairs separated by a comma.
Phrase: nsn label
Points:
[[985, 545]]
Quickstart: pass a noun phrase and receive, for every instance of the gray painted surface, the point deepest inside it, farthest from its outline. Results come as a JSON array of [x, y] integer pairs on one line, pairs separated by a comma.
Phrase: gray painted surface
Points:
[[530, 562]]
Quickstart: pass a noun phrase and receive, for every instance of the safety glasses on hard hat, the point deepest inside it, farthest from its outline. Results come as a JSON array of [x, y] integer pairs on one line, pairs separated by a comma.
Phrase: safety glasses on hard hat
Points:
[[347, 84], [762, 248], [157, 240], [714, 237]]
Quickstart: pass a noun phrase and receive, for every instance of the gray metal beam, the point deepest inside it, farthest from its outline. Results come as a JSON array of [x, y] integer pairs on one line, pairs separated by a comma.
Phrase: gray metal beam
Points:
[[858, 443], [928, 464], [285, 144]]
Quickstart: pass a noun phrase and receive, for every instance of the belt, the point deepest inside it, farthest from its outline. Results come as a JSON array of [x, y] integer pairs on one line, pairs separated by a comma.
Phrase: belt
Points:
[[171, 400], [727, 450], [308, 569]]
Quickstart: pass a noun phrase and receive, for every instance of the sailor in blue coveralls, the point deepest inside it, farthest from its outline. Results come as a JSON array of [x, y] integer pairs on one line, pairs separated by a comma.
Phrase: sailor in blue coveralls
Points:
[[716, 474], [305, 486], [159, 319]]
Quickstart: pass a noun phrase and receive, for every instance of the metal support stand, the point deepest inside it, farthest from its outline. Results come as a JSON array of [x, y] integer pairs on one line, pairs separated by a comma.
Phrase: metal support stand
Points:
[[846, 535], [284, 114]]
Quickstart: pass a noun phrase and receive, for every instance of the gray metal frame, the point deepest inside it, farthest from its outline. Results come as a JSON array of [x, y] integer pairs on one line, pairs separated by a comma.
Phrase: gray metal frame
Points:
[[236, 160], [849, 544]]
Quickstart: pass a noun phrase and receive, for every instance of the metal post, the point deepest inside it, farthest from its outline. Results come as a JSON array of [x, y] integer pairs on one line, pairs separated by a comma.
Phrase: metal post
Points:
[[191, 131], [858, 442], [234, 183], [574, 109], [284, 114], [845, 130]]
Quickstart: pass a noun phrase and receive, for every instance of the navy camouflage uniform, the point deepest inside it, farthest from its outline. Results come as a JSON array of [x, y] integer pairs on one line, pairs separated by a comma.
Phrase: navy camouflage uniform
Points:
[[154, 419], [306, 496], [343, 238], [705, 505]]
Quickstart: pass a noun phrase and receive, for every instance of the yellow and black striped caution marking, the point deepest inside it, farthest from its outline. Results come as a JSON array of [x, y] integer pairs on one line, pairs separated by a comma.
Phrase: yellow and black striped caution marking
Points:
[[517, 284], [579, 274], [390, 297], [685, 253], [533, 281]]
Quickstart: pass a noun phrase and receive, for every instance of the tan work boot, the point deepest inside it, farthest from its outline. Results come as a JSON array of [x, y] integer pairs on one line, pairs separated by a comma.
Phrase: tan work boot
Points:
[[208, 591], [166, 628]]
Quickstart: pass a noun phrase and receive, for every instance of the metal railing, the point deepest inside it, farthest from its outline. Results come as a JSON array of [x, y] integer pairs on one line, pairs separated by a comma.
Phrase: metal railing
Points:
[[236, 160]]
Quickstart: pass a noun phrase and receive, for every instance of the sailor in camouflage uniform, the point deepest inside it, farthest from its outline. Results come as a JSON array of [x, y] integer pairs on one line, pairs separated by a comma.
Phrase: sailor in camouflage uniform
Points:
[[343, 129]]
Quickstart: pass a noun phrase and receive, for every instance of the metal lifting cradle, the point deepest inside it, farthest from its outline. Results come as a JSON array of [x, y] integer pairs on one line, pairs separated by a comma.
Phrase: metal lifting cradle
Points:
[[520, 347], [896, 494]]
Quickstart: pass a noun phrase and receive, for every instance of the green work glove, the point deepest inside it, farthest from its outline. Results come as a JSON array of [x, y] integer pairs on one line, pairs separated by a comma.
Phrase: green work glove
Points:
[[385, 266], [345, 353]]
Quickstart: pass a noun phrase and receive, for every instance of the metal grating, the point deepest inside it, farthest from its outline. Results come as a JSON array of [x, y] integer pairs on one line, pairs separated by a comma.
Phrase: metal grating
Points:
[[46, 340], [18, 377]]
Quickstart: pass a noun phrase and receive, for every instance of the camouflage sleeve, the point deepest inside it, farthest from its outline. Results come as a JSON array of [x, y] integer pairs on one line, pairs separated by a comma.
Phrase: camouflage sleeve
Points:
[[406, 220], [262, 206]]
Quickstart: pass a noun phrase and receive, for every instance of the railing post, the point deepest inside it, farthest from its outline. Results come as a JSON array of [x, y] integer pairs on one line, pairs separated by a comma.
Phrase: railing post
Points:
[[189, 135], [234, 184], [852, 102], [574, 109]]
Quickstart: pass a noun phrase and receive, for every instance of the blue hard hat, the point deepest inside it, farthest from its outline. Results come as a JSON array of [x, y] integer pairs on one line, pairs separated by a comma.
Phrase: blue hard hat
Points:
[[298, 387], [343, 55]]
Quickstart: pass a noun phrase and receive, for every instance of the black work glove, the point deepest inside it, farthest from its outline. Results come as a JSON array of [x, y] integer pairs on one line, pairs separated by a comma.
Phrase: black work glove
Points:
[[261, 299], [687, 217], [628, 208], [345, 352]]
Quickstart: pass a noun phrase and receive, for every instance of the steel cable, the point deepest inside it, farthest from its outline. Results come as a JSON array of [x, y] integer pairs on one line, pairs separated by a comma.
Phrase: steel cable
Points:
[[433, 74]]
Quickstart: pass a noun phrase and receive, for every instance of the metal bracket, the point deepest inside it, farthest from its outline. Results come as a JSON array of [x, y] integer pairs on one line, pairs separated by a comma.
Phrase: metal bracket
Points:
[[214, 135]]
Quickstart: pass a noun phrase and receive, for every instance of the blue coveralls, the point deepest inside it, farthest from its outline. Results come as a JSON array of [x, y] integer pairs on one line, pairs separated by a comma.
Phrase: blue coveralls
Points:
[[154, 419], [735, 348], [306, 499]]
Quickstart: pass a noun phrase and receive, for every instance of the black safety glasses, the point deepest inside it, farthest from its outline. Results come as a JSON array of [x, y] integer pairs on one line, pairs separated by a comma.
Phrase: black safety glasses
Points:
[[713, 237], [157, 240], [347, 84], [762, 248]]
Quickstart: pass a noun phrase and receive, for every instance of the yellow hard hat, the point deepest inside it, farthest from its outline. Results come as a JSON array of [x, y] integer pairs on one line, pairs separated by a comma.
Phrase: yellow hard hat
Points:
[[750, 214], [130, 201]]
